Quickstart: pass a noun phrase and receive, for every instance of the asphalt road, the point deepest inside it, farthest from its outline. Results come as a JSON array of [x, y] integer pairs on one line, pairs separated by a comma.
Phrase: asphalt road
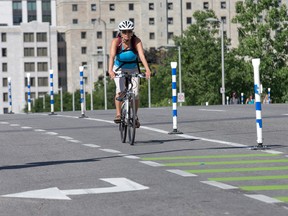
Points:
[[65, 165]]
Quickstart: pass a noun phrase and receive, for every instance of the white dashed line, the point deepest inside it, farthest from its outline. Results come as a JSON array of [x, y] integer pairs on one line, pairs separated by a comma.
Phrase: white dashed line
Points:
[[14, 125], [74, 141], [263, 198], [151, 163], [51, 133], [65, 137], [4, 122], [91, 145], [110, 150], [182, 173], [219, 185], [131, 157], [39, 130], [26, 127]]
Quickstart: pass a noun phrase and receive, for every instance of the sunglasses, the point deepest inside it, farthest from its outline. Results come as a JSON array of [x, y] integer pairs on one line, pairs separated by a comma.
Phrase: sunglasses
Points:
[[126, 31]]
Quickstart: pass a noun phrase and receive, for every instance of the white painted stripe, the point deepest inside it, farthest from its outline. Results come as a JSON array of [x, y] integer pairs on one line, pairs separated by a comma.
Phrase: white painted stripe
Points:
[[263, 198], [154, 129], [219, 185], [4, 122], [131, 157], [151, 163], [182, 173], [91, 145], [39, 130], [74, 141], [14, 125], [51, 133], [26, 127], [65, 137], [212, 110], [272, 152], [110, 150]]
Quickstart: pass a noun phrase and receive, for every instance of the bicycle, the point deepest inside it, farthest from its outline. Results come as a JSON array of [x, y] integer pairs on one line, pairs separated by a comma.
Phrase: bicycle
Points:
[[128, 108]]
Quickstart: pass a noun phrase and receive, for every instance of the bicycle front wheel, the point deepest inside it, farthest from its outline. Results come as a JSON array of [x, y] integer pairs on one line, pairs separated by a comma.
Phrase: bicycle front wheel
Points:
[[123, 124], [132, 120]]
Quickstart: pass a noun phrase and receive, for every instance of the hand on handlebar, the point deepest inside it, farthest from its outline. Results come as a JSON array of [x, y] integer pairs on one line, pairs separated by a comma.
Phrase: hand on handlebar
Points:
[[112, 75]]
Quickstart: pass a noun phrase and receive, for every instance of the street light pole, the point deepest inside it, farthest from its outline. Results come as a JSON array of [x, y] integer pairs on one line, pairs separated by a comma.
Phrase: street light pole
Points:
[[222, 90]]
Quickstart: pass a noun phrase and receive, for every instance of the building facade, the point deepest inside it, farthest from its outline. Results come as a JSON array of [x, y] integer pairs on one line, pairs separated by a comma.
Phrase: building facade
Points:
[[28, 46]]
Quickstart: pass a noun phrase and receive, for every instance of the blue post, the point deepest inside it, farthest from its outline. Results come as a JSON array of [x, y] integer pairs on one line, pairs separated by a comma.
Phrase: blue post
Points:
[[51, 93], [29, 92], [174, 99], [10, 96], [257, 91], [81, 70], [269, 94]]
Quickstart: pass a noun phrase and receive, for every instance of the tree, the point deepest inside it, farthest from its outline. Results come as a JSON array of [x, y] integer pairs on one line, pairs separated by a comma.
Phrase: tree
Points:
[[263, 34]]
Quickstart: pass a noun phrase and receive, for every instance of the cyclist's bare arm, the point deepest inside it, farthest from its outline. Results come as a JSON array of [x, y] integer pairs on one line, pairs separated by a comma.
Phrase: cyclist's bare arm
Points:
[[113, 51], [140, 51]]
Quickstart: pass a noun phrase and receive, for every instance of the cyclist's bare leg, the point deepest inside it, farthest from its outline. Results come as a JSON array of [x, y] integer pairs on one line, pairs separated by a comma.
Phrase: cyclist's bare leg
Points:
[[118, 105]]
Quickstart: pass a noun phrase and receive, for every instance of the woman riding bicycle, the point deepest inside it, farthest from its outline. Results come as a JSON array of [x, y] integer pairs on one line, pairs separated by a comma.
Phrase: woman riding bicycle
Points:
[[124, 53]]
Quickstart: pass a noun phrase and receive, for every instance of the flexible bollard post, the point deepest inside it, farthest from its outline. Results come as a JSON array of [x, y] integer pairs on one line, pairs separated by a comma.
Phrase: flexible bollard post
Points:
[[174, 99], [242, 98], [10, 96], [81, 70], [51, 93], [29, 93], [257, 91], [269, 94], [227, 100]]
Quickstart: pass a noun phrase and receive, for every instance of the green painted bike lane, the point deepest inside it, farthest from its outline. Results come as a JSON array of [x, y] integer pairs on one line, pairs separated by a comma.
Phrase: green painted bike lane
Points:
[[263, 173]]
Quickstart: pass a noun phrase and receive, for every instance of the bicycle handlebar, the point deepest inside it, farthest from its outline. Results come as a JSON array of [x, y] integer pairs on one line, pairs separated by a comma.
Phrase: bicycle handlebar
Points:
[[140, 75]]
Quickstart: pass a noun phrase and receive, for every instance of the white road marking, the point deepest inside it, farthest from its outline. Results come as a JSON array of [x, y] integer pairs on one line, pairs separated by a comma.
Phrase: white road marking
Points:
[[26, 127], [272, 152], [219, 185], [51, 133], [263, 198], [152, 163], [212, 110], [39, 130], [131, 157], [91, 145], [14, 125], [74, 141], [119, 185], [65, 137], [110, 150], [182, 173], [4, 122]]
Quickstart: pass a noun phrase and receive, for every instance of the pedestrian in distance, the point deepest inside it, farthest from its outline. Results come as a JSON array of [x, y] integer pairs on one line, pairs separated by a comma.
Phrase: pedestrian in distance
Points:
[[234, 98], [250, 100], [125, 50]]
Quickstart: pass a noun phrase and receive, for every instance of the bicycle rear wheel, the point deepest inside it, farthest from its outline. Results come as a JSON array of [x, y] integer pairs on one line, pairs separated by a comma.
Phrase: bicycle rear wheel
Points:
[[132, 120], [123, 124]]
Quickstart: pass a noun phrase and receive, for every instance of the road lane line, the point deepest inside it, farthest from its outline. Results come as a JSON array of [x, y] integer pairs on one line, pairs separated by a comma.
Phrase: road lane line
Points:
[[182, 173], [91, 145], [263, 198], [151, 163], [219, 185], [110, 150]]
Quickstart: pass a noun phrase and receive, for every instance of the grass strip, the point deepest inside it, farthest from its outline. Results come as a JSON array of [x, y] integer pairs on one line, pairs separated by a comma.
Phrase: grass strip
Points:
[[249, 178], [226, 162], [242, 169], [208, 156], [264, 187], [283, 199]]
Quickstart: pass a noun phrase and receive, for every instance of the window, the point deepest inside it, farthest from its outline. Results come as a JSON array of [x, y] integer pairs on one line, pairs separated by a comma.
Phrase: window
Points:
[[151, 21], [100, 64], [93, 20], [41, 51], [205, 5], [29, 52], [42, 66], [61, 37], [151, 6], [46, 11], [83, 35], [42, 37], [223, 19], [170, 35], [83, 50], [114, 34], [111, 7], [32, 14], [99, 34], [3, 37], [170, 20], [4, 82], [112, 21], [170, 6], [28, 37], [4, 52], [99, 49], [42, 81], [188, 6], [93, 7], [17, 12], [189, 20], [75, 21], [74, 7], [32, 83], [152, 36], [29, 67], [5, 97], [4, 67], [131, 7], [223, 5], [61, 51]]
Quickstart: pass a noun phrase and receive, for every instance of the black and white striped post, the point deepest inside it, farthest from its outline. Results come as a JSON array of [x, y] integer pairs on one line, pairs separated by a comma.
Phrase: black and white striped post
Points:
[[174, 99], [257, 92], [81, 70], [51, 93]]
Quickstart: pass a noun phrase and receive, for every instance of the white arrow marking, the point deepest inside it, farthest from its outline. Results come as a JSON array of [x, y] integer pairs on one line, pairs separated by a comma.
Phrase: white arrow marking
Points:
[[120, 185]]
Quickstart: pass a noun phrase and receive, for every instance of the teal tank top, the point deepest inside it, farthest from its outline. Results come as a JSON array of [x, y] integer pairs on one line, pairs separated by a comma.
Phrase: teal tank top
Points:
[[126, 56]]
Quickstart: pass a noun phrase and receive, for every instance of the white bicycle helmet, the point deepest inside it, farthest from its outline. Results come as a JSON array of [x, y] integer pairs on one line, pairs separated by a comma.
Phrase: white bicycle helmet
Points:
[[126, 25]]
